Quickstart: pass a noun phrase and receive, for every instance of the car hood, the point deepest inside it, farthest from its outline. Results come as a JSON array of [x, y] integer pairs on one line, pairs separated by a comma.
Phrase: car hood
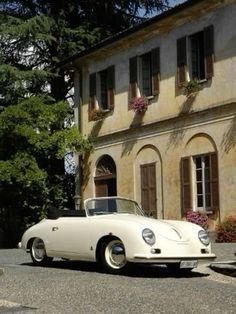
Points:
[[170, 229]]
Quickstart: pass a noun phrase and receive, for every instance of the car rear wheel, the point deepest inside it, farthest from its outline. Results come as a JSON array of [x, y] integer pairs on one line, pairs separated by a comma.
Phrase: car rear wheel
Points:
[[38, 253], [112, 256]]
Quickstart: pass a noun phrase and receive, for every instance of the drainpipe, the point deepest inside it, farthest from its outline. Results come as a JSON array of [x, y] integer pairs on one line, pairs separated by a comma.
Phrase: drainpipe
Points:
[[78, 122]]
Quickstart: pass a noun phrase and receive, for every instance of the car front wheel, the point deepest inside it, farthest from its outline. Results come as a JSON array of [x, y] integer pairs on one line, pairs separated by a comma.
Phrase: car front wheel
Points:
[[38, 253], [112, 256]]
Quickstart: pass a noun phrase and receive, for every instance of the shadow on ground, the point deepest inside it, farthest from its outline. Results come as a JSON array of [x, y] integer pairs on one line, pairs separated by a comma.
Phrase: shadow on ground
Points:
[[226, 272], [225, 268], [134, 270]]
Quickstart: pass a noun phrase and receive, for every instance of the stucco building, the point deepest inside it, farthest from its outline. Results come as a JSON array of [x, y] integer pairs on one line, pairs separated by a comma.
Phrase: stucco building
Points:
[[180, 153]]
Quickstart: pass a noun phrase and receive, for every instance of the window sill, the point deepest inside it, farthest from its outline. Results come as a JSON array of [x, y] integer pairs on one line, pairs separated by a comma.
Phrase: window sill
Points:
[[205, 212], [202, 81], [150, 97], [209, 212], [105, 110]]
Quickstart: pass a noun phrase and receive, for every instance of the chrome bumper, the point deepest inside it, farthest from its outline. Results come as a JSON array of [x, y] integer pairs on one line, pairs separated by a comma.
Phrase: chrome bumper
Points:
[[172, 259]]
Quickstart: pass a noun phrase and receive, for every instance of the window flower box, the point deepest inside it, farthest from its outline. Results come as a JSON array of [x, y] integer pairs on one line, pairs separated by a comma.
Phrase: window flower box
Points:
[[191, 87], [139, 104], [99, 114]]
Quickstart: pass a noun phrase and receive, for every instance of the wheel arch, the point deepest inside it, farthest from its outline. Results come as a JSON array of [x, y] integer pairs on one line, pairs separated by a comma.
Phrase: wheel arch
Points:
[[102, 240], [29, 243]]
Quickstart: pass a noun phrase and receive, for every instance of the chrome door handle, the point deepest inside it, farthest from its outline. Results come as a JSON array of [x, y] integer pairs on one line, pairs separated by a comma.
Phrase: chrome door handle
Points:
[[54, 228]]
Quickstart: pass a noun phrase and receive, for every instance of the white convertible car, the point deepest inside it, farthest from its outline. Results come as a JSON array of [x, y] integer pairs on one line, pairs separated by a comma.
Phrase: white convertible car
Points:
[[115, 232]]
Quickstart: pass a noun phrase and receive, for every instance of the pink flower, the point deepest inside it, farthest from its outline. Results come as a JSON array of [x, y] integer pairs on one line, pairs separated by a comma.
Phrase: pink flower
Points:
[[139, 104], [197, 218]]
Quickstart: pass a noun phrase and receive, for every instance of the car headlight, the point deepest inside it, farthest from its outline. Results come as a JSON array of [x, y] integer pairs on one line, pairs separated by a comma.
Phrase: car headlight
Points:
[[203, 237], [148, 236]]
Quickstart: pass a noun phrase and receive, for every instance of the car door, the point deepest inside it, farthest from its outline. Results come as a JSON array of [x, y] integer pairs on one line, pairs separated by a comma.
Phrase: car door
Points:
[[69, 237]]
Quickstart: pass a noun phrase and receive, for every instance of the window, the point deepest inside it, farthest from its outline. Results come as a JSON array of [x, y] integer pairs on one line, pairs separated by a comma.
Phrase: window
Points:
[[103, 101], [202, 182], [101, 90], [199, 182], [195, 56], [145, 74]]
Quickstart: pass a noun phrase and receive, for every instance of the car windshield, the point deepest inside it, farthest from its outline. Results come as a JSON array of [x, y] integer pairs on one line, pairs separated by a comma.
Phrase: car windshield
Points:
[[112, 205]]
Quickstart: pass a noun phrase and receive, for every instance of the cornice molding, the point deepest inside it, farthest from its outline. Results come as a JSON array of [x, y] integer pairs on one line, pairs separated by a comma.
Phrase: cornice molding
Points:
[[179, 122]]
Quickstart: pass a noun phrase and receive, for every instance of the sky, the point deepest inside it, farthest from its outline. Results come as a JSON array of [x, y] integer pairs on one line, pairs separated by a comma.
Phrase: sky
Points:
[[175, 2], [172, 3]]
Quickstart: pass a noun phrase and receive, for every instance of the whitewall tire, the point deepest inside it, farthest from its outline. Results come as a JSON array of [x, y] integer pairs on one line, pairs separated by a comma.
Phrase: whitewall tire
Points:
[[38, 253], [112, 256]]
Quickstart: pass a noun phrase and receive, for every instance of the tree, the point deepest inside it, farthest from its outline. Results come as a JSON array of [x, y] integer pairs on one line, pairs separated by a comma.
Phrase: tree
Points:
[[34, 134], [28, 144], [40, 33], [32, 160]]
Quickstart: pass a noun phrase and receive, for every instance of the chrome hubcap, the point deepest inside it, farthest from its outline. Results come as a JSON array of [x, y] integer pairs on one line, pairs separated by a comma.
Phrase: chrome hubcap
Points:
[[116, 254], [38, 249]]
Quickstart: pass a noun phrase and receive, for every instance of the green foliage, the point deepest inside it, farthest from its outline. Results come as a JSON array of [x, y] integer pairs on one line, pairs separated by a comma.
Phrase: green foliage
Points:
[[32, 126], [30, 48], [112, 17], [15, 83], [191, 87], [23, 170], [226, 230], [31, 148]]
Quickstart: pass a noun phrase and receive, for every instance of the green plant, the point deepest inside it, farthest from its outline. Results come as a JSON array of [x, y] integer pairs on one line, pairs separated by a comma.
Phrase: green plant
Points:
[[32, 151], [191, 87], [98, 114], [226, 230]]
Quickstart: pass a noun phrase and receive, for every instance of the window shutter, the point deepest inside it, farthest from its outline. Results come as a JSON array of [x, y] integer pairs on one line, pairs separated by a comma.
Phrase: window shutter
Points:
[[181, 59], [111, 86], [214, 181], [186, 185], [81, 85], [156, 70], [133, 76], [92, 94], [209, 50], [148, 189]]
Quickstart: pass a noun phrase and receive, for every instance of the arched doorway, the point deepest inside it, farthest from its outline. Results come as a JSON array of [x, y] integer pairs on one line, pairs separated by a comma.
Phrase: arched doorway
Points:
[[105, 177]]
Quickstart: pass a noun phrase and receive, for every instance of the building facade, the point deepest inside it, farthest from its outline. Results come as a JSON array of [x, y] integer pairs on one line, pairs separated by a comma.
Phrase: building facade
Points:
[[180, 153]]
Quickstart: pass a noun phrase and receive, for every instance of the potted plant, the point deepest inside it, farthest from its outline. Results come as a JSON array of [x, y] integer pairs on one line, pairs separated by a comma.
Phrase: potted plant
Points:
[[191, 87], [226, 230], [98, 114], [198, 218], [139, 104]]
